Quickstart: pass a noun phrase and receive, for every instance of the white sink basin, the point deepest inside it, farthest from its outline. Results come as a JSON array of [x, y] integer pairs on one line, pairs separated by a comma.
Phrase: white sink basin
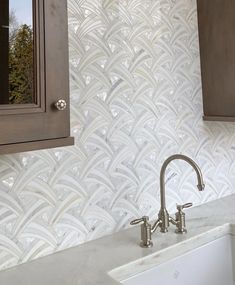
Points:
[[212, 263]]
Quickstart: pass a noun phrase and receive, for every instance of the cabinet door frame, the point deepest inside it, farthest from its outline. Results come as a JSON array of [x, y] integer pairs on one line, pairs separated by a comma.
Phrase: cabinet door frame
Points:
[[42, 121]]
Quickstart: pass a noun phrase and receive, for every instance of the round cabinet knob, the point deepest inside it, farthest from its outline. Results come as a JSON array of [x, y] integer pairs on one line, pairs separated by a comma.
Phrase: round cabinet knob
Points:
[[61, 105]]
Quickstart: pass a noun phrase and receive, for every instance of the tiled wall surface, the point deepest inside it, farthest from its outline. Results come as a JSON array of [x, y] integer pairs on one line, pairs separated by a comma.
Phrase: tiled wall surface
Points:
[[135, 100]]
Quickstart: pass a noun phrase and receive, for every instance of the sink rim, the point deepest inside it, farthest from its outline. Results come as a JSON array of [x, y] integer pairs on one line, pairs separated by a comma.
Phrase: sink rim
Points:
[[170, 252]]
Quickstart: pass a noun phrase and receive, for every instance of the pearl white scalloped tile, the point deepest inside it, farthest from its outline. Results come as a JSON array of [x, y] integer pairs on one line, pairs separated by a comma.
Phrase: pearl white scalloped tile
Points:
[[135, 100]]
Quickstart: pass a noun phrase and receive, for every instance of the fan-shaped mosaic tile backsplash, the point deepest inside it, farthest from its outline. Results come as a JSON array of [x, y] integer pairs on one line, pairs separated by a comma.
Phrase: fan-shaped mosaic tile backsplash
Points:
[[135, 100]]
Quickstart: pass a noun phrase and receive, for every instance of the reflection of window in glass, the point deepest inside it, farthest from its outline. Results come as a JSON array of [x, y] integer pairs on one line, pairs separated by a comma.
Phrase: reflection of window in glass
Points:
[[16, 52]]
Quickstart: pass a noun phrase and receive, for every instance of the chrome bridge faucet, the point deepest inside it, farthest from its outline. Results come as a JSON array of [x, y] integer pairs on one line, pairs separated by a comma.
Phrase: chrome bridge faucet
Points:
[[164, 218]]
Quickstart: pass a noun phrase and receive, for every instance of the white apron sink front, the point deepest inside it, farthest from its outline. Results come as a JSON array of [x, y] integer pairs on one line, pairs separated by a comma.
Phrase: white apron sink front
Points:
[[207, 264]]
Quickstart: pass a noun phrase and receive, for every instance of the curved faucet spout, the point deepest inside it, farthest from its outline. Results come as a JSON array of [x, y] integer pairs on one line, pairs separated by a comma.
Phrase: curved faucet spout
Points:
[[163, 214]]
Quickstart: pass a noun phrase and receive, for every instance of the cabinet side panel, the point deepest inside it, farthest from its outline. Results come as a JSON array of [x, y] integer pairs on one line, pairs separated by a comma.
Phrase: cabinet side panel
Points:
[[216, 20]]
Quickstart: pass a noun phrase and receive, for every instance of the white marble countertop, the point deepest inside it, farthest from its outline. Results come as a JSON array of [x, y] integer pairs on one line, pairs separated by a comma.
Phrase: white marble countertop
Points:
[[92, 262]]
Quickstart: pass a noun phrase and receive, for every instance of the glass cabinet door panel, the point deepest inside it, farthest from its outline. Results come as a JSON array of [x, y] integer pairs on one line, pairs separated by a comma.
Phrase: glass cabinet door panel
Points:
[[17, 52]]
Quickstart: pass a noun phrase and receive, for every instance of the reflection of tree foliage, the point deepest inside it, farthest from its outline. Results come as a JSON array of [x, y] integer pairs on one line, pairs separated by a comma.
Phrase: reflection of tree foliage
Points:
[[21, 66], [13, 26]]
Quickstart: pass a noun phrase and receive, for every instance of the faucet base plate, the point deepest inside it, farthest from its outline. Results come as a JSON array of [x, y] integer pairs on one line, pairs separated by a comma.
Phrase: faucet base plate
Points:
[[184, 231], [148, 245]]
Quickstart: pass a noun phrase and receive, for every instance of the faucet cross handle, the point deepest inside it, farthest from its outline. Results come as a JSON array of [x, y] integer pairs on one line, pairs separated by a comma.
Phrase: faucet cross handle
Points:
[[146, 231], [180, 218]]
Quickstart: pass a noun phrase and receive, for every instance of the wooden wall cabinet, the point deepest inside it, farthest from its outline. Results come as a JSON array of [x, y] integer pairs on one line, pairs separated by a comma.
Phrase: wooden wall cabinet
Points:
[[39, 124], [216, 19]]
